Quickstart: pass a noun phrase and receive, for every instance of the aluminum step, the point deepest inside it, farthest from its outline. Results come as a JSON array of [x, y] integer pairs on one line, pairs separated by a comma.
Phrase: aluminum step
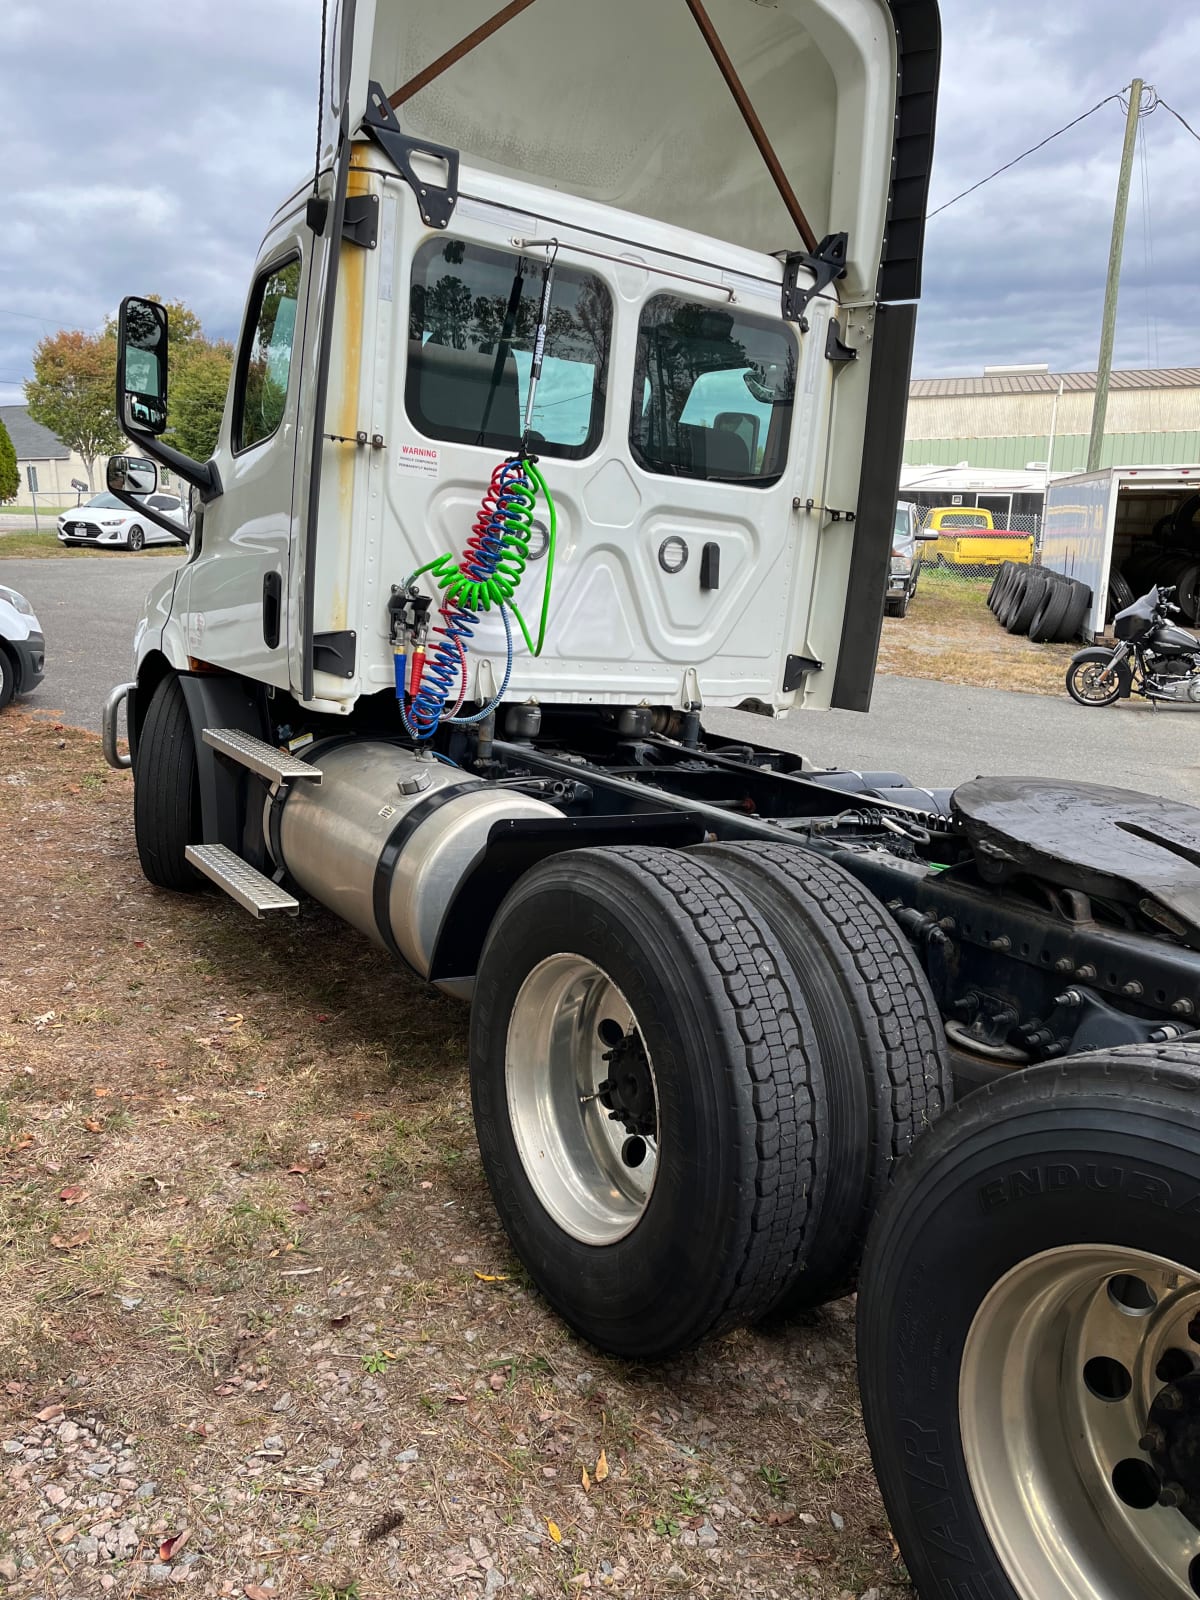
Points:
[[240, 881], [278, 765]]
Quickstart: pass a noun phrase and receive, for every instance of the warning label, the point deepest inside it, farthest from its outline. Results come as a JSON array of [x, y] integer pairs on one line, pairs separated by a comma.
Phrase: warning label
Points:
[[420, 459]]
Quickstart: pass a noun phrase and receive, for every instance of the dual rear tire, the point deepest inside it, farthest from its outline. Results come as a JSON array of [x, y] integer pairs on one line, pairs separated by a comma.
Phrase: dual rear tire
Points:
[[692, 1074]]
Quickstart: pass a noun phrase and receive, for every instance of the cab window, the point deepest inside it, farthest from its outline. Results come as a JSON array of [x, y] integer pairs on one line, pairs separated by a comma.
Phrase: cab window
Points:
[[265, 361], [713, 391], [473, 315]]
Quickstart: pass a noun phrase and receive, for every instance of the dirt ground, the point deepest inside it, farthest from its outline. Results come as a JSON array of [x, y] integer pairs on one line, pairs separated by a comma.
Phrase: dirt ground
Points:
[[950, 635], [260, 1332]]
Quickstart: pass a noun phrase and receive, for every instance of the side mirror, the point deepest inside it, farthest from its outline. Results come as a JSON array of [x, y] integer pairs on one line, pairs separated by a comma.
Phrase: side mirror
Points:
[[131, 475], [142, 366], [929, 535]]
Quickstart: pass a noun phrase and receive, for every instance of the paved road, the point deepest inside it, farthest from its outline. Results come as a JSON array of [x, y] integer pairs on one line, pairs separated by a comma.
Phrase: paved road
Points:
[[88, 606], [935, 733]]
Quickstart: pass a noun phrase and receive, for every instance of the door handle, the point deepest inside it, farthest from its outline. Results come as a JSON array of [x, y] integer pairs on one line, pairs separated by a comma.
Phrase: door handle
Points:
[[272, 608]]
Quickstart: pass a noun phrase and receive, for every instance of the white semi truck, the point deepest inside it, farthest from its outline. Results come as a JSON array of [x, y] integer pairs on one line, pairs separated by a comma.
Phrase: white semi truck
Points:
[[568, 404]]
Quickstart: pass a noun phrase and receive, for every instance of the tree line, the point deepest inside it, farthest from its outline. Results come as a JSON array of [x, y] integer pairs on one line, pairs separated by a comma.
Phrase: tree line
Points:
[[73, 388]]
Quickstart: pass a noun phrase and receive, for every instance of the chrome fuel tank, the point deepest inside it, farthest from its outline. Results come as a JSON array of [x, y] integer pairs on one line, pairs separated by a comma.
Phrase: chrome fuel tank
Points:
[[387, 838]]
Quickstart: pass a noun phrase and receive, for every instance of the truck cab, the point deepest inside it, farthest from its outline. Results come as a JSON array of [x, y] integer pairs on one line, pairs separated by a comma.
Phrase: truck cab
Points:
[[568, 404]]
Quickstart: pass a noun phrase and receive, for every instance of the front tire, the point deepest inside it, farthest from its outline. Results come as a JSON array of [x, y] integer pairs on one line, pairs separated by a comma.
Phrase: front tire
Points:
[[8, 678], [1089, 683], [136, 540], [1028, 1323], [166, 791], [648, 1098]]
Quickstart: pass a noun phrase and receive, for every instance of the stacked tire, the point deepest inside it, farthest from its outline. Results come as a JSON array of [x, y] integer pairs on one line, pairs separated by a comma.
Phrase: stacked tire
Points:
[[1045, 605]]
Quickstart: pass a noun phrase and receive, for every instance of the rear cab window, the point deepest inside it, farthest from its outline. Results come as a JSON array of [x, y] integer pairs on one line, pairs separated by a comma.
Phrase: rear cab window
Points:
[[713, 392], [473, 313]]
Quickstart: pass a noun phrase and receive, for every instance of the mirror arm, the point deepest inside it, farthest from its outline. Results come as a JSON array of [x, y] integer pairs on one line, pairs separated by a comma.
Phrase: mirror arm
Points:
[[203, 476], [148, 514]]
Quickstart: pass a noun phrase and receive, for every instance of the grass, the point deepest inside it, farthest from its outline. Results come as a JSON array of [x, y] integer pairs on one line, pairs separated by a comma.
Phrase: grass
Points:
[[240, 1196], [950, 635], [39, 546]]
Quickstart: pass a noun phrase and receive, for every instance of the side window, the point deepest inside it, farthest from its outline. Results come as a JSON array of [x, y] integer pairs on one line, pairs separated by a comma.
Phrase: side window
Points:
[[714, 388], [265, 359], [473, 315]]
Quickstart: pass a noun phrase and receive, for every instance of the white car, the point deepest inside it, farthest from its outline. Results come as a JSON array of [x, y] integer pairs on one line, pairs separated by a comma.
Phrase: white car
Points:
[[105, 521], [22, 646]]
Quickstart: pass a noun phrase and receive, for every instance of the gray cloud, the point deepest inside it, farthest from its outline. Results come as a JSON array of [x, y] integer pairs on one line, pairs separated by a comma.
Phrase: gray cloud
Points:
[[145, 148]]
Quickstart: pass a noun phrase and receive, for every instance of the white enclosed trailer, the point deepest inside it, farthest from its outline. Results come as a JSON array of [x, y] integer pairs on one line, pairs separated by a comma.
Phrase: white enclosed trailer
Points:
[[1105, 528], [569, 402]]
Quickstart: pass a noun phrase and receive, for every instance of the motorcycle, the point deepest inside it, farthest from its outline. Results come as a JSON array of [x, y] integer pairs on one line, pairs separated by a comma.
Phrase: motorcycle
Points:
[[1151, 658]]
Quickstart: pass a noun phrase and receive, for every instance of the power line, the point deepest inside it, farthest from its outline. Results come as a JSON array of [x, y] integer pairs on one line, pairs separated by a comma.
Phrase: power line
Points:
[[28, 315], [1031, 151], [1178, 118]]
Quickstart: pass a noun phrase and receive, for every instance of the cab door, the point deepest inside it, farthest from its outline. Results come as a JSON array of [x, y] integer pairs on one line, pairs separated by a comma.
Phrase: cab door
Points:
[[235, 599]]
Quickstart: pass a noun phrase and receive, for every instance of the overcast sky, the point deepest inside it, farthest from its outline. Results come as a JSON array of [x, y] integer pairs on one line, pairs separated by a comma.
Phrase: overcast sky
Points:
[[145, 146]]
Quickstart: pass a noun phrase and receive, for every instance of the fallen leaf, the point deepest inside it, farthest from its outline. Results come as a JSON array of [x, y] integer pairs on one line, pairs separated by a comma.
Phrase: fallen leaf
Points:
[[425, 1183], [100, 1090], [780, 1519], [299, 1169], [48, 1413], [490, 1277], [72, 1194], [339, 1321], [71, 1243], [497, 1382], [234, 1022], [586, 1480], [15, 1388], [172, 1544], [255, 1591], [93, 1126], [555, 1532], [601, 1467]]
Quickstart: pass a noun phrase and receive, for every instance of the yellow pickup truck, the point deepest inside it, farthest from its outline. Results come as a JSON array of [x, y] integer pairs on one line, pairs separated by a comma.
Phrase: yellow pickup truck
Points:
[[968, 537]]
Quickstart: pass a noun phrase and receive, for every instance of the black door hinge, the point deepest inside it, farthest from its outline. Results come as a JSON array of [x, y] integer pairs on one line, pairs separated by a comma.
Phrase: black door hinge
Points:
[[835, 349], [810, 505], [826, 263], [435, 201], [797, 668], [360, 220]]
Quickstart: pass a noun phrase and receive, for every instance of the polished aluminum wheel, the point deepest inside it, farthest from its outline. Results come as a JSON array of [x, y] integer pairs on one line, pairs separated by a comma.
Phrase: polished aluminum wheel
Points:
[[1094, 683], [1080, 1416], [582, 1099]]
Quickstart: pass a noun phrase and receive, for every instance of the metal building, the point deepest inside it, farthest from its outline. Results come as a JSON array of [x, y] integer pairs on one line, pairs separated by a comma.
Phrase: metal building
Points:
[[1005, 419]]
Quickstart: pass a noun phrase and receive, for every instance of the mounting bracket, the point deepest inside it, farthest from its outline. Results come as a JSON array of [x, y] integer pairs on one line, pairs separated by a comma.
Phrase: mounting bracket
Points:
[[826, 263], [360, 220], [435, 202]]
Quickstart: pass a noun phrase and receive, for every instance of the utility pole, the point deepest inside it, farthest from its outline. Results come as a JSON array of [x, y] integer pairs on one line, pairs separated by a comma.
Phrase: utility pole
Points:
[[1108, 329]]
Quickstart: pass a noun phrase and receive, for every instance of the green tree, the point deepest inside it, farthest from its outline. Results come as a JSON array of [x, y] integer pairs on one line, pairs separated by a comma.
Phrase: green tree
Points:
[[197, 400], [10, 478], [72, 390]]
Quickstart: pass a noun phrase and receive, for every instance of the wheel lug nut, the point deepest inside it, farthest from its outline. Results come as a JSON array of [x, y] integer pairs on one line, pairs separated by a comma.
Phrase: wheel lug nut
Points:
[[1170, 1400], [1171, 1495], [1152, 1441]]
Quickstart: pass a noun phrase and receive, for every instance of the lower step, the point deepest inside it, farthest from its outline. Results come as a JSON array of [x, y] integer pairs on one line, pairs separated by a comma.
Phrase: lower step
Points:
[[240, 881]]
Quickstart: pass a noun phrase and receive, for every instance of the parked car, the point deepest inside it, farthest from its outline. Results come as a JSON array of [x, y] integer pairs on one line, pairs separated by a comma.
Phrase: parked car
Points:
[[105, 521], [22, 646], [908, 549], [967, 536]]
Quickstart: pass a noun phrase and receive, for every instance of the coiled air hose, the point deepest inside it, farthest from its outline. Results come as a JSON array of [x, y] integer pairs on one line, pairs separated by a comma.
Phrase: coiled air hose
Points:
[[487, 576]]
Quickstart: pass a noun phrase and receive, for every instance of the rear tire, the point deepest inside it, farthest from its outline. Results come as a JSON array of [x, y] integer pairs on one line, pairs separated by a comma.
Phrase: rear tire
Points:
[[1041, 1246], [887, 1075], [166, 791], [651, 953]]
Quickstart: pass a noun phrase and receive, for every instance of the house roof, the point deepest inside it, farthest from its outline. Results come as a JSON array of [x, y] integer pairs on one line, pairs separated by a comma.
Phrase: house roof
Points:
[[1048, 382], [30, 440]]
